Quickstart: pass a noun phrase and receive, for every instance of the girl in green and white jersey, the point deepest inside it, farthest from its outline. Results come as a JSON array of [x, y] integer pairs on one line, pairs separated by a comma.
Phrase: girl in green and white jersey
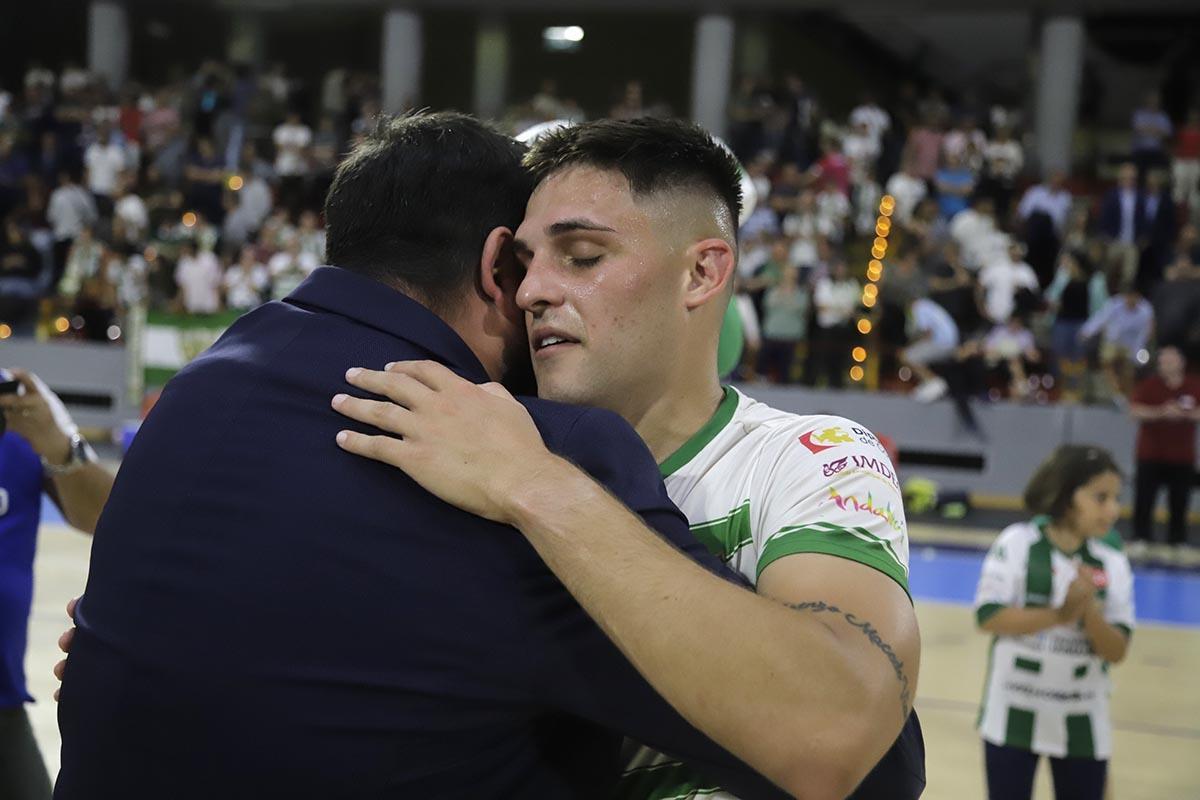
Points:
[[1058, 599]]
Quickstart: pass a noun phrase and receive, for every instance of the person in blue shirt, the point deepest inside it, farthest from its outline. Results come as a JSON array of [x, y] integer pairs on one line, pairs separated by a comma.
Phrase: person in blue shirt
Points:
[[268, 616], [40, 450]]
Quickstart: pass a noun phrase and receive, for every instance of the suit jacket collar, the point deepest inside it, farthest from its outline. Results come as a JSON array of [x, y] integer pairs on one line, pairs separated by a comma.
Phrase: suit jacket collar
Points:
[[379, 306]]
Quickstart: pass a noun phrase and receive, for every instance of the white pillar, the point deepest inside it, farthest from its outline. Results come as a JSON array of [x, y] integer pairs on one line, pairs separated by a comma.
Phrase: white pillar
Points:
[[491, 66], [402, 51], [1060, 72], [712, 71], [108, 42]]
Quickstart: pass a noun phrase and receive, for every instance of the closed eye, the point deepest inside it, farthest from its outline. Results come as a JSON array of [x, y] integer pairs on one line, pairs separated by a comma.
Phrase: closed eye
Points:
[[585, 262]]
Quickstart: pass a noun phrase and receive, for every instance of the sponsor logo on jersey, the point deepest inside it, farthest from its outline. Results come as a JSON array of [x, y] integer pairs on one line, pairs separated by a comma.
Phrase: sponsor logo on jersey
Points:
[[852, 503], [824, 439], [866, 437], [877, 466], [834, 467]]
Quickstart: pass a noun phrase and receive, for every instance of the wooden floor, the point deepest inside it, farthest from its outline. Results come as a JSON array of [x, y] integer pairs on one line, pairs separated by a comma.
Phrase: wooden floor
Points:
[[1156, 702]]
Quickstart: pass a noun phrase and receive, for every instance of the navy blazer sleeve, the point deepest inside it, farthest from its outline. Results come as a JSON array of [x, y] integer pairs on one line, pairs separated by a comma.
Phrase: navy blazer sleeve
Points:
[[582, 672]]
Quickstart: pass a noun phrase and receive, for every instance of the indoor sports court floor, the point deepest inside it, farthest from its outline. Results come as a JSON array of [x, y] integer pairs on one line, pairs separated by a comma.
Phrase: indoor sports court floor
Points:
[[1156, 704]]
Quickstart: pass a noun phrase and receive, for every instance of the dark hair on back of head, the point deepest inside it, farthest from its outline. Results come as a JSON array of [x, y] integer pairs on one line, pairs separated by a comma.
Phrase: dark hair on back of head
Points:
[[653, 155], [413, 203], [1052, 488]]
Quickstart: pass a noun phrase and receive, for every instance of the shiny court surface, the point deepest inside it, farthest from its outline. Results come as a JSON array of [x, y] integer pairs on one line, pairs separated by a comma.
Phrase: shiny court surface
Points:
[[1156, 703]]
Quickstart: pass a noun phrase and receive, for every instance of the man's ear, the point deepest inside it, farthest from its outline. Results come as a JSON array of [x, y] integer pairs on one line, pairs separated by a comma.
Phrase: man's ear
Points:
[[712, 266], [500, 273]]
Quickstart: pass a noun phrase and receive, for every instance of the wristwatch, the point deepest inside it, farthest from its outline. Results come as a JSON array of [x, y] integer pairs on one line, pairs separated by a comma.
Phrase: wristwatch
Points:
[[81, 454]]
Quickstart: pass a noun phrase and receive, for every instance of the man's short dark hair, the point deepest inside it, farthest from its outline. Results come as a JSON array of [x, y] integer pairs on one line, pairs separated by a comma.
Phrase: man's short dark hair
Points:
[[653, 155], [413, 203]]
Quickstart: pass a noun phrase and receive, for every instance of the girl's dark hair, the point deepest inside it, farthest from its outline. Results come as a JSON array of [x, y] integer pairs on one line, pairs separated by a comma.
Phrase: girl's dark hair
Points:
[[1052, 488]]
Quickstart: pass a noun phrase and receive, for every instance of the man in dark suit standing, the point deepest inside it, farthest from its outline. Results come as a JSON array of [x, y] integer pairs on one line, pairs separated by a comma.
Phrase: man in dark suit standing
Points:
[[1159, 229], [267, 616], [1122, 218]]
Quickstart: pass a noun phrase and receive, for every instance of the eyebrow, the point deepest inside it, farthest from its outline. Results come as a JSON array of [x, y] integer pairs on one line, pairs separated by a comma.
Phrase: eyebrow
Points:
[[572, 225]]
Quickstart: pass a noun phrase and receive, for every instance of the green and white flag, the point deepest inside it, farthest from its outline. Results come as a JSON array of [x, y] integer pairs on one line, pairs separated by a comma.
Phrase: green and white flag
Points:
[[171, 341]]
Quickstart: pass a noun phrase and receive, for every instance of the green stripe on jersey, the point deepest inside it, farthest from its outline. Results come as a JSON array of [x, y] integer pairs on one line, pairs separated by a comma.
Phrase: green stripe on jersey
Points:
[[987, 611], [700, 439], [1019, 728], [1080, 743], [1028, 664], [1039, 576], [724, 537], [669, 781], [831, 540]]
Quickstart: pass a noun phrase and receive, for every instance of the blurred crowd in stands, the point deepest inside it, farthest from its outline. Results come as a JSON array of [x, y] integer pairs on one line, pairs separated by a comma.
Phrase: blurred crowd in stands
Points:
[[995, 279]]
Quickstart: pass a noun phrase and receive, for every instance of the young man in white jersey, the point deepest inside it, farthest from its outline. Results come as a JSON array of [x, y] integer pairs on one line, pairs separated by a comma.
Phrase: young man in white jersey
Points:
[[629, 245]]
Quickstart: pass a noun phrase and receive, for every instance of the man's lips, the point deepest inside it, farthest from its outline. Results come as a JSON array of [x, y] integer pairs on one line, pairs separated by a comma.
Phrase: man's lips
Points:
[[548, 339]]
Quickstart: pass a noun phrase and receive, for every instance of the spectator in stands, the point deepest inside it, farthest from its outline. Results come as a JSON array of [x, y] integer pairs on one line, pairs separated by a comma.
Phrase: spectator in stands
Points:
[[976, 232], [924, 145], [833, 211], [865, 204], [861, 147], [932, 339], [129, 210], [1004, 280], [955, 183], [105, 160], [805, 225], [966, 144], [1003, 160], [292, 141], [246, 281], [71, 209], [198, 276], [1151, 132], [1051, 198], [1185, 170], [869, 113], [1077, 292], [204, 180], [15, 172], [312, 235], [83, 261], [837, 297], [289, 267], [1124, 325], [1121, 221], [1011, 350], [21, 268], [784, 326], [832, 169], [953, 288], [908, 188], [1157, 240], [631, 104], [1167, 408]]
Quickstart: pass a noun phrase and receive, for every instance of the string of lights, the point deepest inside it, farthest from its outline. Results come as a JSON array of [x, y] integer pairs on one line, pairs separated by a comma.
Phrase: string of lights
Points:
[[870, 294]]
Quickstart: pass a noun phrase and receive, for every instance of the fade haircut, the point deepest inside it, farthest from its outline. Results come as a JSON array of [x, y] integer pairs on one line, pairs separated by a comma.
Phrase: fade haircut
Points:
[[412, 205], [654, 155]]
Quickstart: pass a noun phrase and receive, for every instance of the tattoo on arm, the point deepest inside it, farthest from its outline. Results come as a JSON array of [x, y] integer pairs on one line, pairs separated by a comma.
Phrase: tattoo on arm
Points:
[[868, 630]]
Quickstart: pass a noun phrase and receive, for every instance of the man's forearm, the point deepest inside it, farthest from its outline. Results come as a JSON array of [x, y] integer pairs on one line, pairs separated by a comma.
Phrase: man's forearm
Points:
[[82, 494], [733, 663]]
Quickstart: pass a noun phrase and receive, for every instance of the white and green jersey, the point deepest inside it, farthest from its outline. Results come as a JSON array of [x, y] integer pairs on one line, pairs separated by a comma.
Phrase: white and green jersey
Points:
[[758, 484], [1048, 692]]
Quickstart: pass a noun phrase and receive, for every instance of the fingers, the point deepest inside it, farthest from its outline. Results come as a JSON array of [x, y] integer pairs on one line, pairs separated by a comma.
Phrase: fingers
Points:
[[497, 390], [59, 668], [64, 641], [385, 416], [384, 449], [397, 387], [74, 601], [434, 375], [26, 379]]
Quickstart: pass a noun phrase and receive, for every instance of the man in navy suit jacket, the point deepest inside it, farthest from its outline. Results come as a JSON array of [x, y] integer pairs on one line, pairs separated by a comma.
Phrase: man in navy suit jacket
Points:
[[267, 616]]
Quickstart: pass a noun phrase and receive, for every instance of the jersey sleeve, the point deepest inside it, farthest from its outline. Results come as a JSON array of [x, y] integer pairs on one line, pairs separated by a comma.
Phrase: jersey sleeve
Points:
[[831, 489], [1118, 599], [997, 588]]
